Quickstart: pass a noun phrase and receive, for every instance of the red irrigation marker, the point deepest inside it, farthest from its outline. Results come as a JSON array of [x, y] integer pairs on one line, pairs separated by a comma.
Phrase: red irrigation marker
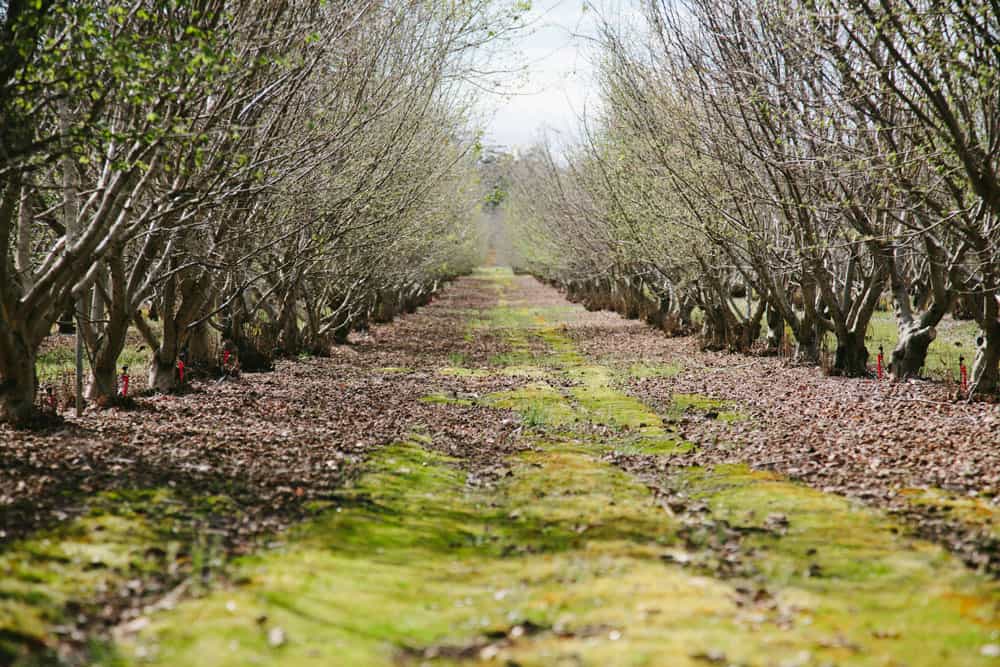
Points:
[[879, 366], [225, 359], [123, 391], [964, 374], [51, 395], [180, 370]]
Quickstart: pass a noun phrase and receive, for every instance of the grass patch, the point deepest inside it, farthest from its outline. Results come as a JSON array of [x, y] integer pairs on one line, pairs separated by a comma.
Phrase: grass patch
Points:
[[955, 338], [527, 371], [59, 361], [518, 358]]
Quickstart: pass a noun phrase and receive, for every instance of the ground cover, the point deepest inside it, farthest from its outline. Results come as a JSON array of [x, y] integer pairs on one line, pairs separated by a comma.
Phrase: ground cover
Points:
[[541, 486]]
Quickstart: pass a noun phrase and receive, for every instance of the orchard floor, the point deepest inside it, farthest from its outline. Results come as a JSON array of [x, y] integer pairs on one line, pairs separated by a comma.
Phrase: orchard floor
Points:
[[504, 477]]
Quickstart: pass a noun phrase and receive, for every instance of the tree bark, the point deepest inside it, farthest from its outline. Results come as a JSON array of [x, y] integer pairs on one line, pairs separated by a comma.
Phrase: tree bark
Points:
[[67, 319], [775, 330], [851, 357], [290, 335], [17, 368], [714, 332], [200, 348], [103, 378], [103, 373], [807, 343], [986, 367], [162, 372], [910, 353]]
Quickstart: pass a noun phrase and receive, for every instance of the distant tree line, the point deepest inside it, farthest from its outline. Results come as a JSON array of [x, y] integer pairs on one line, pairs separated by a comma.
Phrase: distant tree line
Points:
[[824, 155]]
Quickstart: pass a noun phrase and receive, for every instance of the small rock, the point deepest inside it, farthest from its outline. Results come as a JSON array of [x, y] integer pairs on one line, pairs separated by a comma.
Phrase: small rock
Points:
[[489, 652], [276, 637]]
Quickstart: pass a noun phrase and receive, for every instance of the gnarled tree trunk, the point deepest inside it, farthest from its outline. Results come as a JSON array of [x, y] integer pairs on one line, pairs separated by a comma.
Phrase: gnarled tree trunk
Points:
[[18, 382], [910, 353], [106, 348], [986, 367], [851, 357]]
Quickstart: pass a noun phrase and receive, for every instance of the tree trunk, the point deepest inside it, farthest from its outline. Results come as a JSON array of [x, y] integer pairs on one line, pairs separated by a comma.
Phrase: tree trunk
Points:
[[67, 320], [851, 358], [714, 333], [986, 367], [103, 380], [103, 373], [685, 310], [775, 330], [910, 352], [807, 345], [290, 339], [387, 306], [162, 372], [18, 382], [200, 347]]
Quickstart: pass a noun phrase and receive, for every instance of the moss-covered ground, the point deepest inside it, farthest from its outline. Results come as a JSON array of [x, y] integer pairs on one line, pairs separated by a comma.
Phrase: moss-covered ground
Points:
[[567, 559]]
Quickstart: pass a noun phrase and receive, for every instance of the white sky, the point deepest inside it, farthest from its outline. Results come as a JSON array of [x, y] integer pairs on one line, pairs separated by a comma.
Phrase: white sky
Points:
[[557, 85]]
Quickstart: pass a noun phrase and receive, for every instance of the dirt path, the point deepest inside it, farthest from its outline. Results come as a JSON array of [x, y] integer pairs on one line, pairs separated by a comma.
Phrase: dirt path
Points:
[[538, 505]]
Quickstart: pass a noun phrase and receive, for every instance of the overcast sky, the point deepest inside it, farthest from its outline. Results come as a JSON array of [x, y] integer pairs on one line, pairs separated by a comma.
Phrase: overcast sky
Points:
[[557, 84]]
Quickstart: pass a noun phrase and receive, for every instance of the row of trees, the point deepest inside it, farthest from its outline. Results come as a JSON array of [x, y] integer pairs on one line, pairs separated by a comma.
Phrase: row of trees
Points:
[[274, 173], [825, 155]]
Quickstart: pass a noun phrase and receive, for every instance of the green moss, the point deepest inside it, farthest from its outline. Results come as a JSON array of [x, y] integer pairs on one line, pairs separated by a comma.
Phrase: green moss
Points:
[[497, 277], [593, 399], [854, 572], [124, 535], [519, 358], [681, 403], [605, 405], [464, 372], [544, 403], [562, 350], [527, 371], [971, 511], [394, 370], [413, 558]]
